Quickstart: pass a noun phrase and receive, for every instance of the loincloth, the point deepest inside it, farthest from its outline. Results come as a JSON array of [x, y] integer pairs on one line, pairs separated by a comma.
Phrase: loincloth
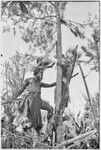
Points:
[[33, 111]]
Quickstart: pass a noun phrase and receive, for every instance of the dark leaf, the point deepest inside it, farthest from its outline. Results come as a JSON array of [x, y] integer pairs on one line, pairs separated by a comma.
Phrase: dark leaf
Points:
[[63, 21], [88, 53], [23, 7], [73, 32], [79, 33]]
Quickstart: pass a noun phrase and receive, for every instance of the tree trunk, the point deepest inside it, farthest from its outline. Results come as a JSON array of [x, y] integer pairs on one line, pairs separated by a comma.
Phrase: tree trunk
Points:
[[59, 56], [58, 89]]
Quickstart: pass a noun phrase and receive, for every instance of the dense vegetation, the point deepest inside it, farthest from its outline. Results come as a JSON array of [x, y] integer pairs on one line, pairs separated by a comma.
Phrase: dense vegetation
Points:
[[40, 26]]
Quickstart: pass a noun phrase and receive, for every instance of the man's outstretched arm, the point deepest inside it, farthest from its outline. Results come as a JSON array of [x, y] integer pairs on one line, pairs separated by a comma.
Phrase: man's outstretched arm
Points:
[[19, 92], [46, 85]]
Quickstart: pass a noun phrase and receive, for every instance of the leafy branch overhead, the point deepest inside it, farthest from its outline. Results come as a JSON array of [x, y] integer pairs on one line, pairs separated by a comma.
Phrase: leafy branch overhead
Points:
[[41, 31], [74, 29]]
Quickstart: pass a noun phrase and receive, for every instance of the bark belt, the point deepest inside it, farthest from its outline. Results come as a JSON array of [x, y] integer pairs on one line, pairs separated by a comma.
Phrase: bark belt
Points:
[[35, 93]]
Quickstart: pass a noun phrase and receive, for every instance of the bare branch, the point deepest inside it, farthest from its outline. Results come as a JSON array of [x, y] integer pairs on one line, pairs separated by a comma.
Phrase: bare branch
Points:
[[87, 90], [71, 146], [44, 17], [11, 101], [75, 75], [78, 138], [46, 85]]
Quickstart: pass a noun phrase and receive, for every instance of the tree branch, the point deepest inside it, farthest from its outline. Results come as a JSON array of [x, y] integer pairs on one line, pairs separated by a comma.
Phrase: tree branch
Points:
[[74, 75], [46, 85], [69, 147], [11, 101], [87, 90], [44, 17], [78, 138]]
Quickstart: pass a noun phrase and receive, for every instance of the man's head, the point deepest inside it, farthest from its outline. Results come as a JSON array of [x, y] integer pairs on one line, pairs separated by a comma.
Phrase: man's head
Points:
[[38, 74], [42, 64]]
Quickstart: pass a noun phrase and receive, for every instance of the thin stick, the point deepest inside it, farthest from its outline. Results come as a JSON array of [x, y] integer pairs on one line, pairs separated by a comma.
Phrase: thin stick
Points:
[[12, 101], [74, 75], [87, 90]]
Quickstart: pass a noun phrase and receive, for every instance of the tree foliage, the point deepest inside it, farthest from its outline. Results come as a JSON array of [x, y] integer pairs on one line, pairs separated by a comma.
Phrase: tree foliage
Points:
[[92, 50], [38, 23]]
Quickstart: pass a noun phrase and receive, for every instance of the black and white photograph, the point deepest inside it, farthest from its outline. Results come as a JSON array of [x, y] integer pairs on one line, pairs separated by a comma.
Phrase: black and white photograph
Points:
[[50, 74]]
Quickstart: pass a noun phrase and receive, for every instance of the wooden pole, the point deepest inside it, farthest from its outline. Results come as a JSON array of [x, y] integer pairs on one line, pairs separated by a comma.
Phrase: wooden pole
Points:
[[59, 56], [58, 89], [87, 90]]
